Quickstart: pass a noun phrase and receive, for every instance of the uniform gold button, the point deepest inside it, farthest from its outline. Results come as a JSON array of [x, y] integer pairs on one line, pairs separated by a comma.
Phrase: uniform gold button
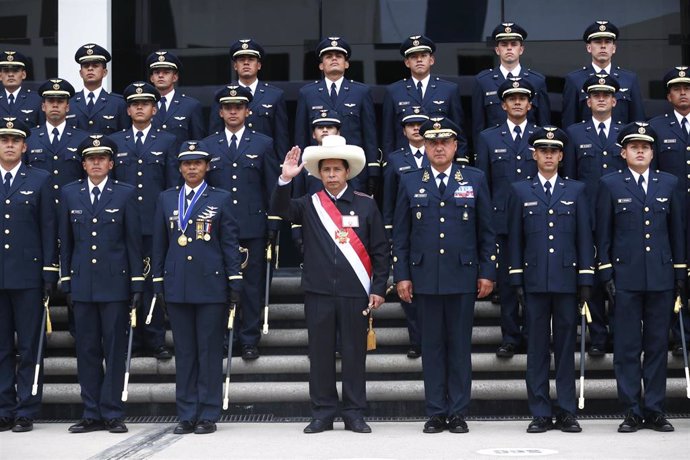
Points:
[[140, 161], [95, 220], [7, 231], [493, 257], [606, 166], [234, 165], [90, 122], [140, 198], [646, 222], [550, 211], [550, 237], [140, 173], [395, 258], [551, 250], [189, 239], [7, 216], [140, 185], [189, 257], [249, 125], [687, 148], [604, 153], [646, 209], [7, 201], [93, 261], [647, 249], [55, 157], [234, 201], [94, 233], [443, 203], [191, 221], [441, 251], [94, 247], [56, 186], [7, 246], [234, 189], [647, 236], [442, 235], [234, 176], [442, 219], [164, 126], [518, 157], [519, 170], [56, 172]]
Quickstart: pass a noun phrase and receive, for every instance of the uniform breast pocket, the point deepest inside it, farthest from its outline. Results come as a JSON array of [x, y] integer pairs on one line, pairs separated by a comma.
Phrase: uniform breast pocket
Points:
[[112, 225], [465, 207], [156, 164], [439, 109], [122, 161], [532, 219], [499, 165], [566, 219], [492, 100], [108, 121], [25, 207], [251, 170], [265, 112], [77, 222], [216, 164], [585, 161], [37, 159], [623, 97], [256, 207], [625, 217], [350, 111]]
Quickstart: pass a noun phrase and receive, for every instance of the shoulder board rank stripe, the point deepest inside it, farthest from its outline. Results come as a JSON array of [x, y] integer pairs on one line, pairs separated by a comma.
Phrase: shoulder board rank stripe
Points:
[[604, 266], [66, 278], [137, 278], [515, 271], [680, 266], [296, 226], [586, 272], [51, 269], [274, 218], [157, 280], [235, 277]]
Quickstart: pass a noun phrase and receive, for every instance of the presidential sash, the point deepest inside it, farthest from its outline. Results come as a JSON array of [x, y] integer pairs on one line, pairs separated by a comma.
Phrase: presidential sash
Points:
[[345, 238]]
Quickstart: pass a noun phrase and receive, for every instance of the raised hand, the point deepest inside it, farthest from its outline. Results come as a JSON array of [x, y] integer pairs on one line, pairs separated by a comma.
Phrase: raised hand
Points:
[[291, 165]]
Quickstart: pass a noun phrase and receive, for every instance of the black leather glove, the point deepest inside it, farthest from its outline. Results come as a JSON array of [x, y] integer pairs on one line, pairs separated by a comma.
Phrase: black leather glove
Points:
[[372, 185], [520, 293], [234, 297], [49, 289], [584, 293], [160, 302], [610, 287], [299, 244], [136, 301], [680, 291], [68, 300]]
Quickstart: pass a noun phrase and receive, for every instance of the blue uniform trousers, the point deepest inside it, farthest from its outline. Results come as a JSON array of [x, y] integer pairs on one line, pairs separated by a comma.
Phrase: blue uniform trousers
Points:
[[21, 311], [198, 332], [326, 314], [598, 333], [543, 310], [249, 321], [413, 328], [150, 336], [642, 322], [513, 327], [446, 322], [101, 334]]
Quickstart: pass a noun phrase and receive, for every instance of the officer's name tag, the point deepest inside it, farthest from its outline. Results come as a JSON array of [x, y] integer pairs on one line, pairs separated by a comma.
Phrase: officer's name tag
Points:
[[404, 168], [585, 146], [122, 154], [75, 211], [530, 203], [350, 221], [464, 191], [70, 116], [215, 159], [401, 103], [669, 141], [420, 195], [490, 93], [317, 107], [624, 200], [500, 150], [36, 150]]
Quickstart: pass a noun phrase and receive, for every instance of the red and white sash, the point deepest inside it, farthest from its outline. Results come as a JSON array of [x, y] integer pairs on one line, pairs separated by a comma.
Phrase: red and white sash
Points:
[[345, 238]]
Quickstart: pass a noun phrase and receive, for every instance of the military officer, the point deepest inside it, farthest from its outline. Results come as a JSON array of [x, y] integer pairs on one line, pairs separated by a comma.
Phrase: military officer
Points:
[[600, 38], [551, 266], [242, 162], [28, 238], [590, 154], [16, 100], [351, 99], [444, 254], [93, 108], [438, 97], [487, 109], [196, 269], [146, 159], [402, 161], [53, 145], [504, 155], [267, 109], [345, 274], [102, 275], [177, 113], [635, 205]]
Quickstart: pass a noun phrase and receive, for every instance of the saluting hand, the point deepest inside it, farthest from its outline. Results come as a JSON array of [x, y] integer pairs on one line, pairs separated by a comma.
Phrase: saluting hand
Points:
[[291, 165]]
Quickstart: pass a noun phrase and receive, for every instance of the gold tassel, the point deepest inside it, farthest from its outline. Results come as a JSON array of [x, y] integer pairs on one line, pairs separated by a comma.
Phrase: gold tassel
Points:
[[371, 335]]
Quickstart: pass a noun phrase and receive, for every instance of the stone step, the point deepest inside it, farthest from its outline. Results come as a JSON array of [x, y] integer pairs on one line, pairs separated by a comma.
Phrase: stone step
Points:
[[398, 390], [376, 363]]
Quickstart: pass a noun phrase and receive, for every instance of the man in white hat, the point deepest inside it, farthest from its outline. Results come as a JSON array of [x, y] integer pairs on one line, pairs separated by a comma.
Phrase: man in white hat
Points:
[[345, 273]]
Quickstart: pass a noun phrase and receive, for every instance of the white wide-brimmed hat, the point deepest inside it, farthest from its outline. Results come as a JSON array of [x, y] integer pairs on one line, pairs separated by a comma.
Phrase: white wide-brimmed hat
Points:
[[334, 147]]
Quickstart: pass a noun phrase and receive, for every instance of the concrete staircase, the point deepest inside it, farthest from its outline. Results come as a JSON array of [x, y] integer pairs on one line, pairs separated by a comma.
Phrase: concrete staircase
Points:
[[277, 384]]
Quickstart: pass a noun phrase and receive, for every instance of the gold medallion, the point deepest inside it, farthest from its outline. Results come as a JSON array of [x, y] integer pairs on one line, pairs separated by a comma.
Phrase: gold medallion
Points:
[[182, 240], [207, 237]]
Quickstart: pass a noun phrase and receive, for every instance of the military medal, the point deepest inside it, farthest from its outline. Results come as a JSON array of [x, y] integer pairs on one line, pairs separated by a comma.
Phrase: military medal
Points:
[[199, 229], [183, 213], [182, 240]]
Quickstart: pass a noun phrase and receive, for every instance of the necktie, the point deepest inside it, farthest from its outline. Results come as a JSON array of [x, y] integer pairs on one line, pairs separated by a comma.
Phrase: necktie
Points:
[[518, 134], [190, 197], [419, 90], [139, 143], [10, 102], [418, 155], [509, 76], [233, 146], [55, 141], [90, 104], [602, 134], [8, 181], [640, 183], [685, 128], [249, 88], [163, 111], [441, 184], [96, 192], [547, 190], [334, 93]]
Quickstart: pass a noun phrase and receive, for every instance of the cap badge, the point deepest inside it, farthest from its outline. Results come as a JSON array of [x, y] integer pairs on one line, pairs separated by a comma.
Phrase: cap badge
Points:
[[9, 125], [334, 42], [602, 28], [507, 30], [324, 113], [549, 135], [437, 125], [89, 46], [602, 81], [681, 73], [192, 147], [244, 46], [10, 57], [161, 53], [138, 90], [96, 143], [516, 84], [415, 110], [415, 37], [233, 93], [56, 86], [415, 43], [161, 58], [641, 130], [89, 51]]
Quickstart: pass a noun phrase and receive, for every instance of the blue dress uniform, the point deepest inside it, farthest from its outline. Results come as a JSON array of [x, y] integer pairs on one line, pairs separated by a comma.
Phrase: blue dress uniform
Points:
[[61, 160], [182, 116], [641, 248], [444, 244], [196, 277], [629, 103], [250, 176], [551, 254], [151, 168], [28, 241], [486, 97], [27, 104], [441, 99], [354, 104], [505, 161], [109, 112], [102, 269], [334, 295], [672, 150]]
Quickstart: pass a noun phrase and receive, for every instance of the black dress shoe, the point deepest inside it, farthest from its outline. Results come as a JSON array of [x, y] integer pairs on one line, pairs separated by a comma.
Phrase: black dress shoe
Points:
[[205, 427], [414, 352], [184, 427], [457, 424], [357, 425], [116, 425], [595, 351], [567, 423], [435, 424], [507, 350], [318, 425], [22, 424], [249, 352], [540, 425], [677, 351], [631, 423], [658, 422], [87, 425], [6, 423], [162, 352]]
